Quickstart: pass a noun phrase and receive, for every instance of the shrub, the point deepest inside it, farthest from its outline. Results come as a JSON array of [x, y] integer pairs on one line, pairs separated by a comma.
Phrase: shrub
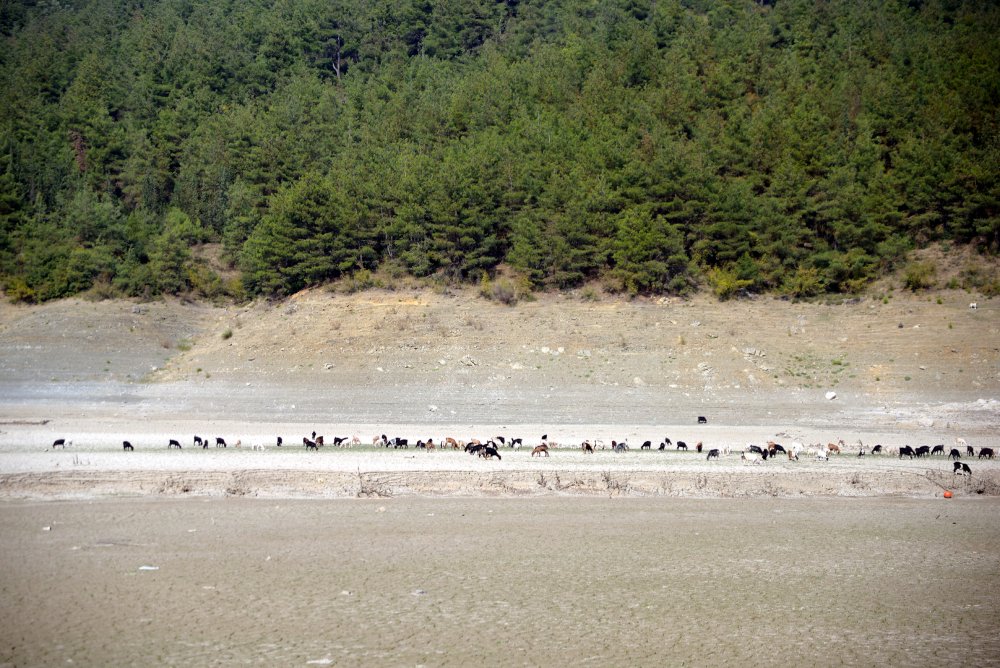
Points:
[[919, 276]]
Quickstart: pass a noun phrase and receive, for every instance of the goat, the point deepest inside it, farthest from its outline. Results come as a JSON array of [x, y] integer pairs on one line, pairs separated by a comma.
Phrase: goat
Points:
[[751, 457], [516, 443], [319, 440], [452, 442], [355, 440], [339, 440], [489, 452], [973, 305], [174, 443], [587, 447], [619, 447], [938, 449], [955, 454], [969, 451], [310, 445], [681, 445], [833, 448], [430, 444], [907, 451], [713, 454], [127, 446], [60, 442], [962, 468], [540, 450], [646, 445], [198, 441], [698, 446], [756, 449], [280, 441], [220, 442], [986, 452], [923, 451], [877, 450], [702, 419]]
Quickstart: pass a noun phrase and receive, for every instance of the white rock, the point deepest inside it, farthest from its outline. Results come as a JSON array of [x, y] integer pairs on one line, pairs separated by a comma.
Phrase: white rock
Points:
[[831, 395]]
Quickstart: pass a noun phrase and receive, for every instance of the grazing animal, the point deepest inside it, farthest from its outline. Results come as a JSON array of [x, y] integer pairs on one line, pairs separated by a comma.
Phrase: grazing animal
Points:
[[775, 448], [489, 452], [713, 454], [619, 447], [310, 445], [756, 449], [503, 441], [938, 450], [698, 446], [587, 447], [173, 443], [355, 440], [751, 457], [127, 446], [430, 444], [452, 442], [923, 451], [220, 442], [60, 442], [540, 450], [973, 305], [280, 441], [986, 452], [681, 445], [319, 440], [877, 450], [339, 440], [199, 441], [907, 451], [702, 419], [833, 448], [969, 451], [663, 446], [474, 448], [646, 445], [666, 441], [545, 437], [954, 454], [962, 468], [516, 442]]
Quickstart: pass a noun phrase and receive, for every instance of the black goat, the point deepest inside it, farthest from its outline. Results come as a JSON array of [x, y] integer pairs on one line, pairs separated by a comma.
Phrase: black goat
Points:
[[174, 443], [127, 446], [962, 468]]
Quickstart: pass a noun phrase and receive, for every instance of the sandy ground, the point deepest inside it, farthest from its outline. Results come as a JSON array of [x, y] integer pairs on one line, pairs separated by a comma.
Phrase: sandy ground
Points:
[[918, 370], [539, 581], [367, 556]]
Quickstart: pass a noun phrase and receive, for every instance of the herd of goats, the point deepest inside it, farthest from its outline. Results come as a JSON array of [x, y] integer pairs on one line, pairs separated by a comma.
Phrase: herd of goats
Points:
[[491, 448]]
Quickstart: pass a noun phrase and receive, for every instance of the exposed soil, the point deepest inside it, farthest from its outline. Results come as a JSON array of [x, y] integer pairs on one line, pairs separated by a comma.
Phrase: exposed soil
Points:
[[500, 582], [421, 364]]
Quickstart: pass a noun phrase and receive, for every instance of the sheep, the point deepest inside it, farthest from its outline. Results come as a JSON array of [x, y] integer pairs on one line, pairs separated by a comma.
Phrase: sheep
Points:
[[751, 457], [355, 440]]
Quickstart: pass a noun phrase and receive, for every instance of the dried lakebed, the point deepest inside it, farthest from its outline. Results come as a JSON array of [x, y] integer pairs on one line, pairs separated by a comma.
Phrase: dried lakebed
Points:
[[530, 581]]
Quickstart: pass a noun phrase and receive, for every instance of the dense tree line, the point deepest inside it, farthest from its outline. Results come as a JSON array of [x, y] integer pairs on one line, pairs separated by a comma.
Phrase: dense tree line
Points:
[[786, 145]]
